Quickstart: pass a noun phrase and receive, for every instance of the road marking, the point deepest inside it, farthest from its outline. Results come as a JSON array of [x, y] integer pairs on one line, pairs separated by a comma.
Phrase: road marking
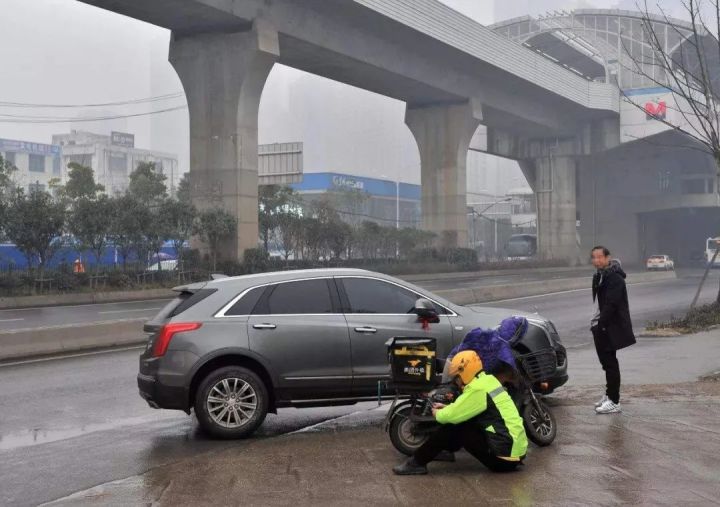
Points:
[[10, 320], [74, 324], [71, 356], [128, 311], [587, 289], [85, 304]]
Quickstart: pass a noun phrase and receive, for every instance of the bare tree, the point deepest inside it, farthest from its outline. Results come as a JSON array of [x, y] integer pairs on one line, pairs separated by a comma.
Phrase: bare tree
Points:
[[690, 71]]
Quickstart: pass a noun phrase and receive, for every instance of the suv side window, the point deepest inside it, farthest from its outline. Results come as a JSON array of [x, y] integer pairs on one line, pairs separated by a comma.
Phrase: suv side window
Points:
[[375, 296], [246, 304], [301, 297]]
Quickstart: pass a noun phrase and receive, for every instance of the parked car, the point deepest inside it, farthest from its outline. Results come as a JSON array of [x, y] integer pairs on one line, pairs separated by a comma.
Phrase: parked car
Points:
[[235, 348], [660, 262], [521, 247]]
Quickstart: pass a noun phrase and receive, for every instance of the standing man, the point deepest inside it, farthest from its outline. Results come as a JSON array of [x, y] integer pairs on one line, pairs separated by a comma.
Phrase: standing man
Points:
[[611, 325]]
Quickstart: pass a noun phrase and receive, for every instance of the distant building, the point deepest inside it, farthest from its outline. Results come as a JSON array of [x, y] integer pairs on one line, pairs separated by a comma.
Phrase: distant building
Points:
[[523, 212], [113, 157], [385, 202], [37, 163]]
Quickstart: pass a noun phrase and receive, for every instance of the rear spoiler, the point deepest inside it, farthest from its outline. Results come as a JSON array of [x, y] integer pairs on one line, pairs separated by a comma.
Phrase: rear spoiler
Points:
[[192, 288]]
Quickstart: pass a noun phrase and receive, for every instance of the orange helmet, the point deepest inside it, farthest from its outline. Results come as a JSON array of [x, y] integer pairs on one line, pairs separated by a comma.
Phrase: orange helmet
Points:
[[466, 365]]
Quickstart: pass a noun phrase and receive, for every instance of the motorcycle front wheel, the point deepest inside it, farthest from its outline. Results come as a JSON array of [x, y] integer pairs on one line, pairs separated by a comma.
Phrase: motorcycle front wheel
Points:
[[540, 425], [403, 432]]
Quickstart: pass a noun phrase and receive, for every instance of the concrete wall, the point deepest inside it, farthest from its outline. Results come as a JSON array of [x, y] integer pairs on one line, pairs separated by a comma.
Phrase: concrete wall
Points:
[[632, 200]]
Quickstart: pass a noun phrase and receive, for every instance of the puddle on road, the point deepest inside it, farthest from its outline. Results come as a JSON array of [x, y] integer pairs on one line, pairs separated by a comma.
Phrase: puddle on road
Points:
[[36, 436]]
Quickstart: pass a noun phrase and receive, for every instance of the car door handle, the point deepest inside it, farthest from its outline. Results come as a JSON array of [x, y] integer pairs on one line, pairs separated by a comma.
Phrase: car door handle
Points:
[[264, 326], [365, 329]]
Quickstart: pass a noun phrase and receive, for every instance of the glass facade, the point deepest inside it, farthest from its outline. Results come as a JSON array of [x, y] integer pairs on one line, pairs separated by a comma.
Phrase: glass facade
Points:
[[36, 163], [602, 44]]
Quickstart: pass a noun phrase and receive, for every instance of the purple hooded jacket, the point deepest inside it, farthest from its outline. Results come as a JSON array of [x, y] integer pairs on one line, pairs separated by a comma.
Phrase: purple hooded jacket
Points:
[[494, 345]]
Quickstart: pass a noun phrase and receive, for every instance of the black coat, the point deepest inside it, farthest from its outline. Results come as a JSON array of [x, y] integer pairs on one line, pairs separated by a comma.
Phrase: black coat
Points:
[[615, 325]]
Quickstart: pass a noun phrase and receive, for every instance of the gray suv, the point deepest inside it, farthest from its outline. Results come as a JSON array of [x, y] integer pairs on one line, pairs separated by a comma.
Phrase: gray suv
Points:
[[237, 348]]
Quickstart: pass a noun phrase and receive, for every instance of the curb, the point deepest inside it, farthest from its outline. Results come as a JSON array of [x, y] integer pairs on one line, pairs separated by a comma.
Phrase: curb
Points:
[[23, 343], [480, 274], [84, 298], [521, 290]]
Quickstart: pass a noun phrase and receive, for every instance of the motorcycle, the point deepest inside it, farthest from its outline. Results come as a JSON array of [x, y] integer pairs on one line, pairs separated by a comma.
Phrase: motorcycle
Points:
[[410, 421]]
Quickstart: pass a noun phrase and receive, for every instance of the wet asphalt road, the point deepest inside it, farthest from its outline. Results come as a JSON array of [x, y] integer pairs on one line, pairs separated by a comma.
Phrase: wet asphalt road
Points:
[[655, 301], [32, 318], [68, 424]]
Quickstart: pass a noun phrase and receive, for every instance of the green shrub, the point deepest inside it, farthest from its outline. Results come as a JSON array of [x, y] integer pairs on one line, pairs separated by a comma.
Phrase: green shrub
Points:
[[120, 280], [11, 282], [256, 260], [697, 319], [465, 256]]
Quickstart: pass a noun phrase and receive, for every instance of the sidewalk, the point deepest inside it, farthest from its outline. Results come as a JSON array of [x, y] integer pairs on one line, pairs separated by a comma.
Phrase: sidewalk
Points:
[[664, 449], [652, 360]]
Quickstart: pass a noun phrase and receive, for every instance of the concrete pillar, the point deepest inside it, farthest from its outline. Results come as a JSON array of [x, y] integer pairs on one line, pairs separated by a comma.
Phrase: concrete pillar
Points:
[[556, 208], [223, 75], [443, 135]]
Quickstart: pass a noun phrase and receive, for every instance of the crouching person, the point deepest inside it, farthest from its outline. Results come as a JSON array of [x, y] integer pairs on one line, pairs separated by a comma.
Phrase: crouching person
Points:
[[483, 419]]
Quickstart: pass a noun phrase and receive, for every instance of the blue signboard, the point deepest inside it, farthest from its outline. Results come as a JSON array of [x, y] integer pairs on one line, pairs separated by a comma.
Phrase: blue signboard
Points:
[[29, 147], [12, 258], [373, 186]]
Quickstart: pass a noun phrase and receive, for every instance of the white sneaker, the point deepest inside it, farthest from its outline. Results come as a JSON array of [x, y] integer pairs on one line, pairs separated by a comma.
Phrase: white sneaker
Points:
[[601, 401], [608, 407]]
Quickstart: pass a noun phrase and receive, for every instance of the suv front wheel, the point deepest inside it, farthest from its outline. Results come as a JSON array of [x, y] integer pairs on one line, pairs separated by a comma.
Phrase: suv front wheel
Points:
[[231, 402]]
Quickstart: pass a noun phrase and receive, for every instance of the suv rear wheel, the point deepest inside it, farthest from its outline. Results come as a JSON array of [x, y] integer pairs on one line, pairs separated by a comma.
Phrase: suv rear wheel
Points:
[[231, 402]]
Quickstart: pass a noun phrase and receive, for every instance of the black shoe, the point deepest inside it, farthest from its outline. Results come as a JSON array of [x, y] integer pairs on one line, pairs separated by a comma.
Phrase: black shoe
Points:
[[410, 467], [446, 456]]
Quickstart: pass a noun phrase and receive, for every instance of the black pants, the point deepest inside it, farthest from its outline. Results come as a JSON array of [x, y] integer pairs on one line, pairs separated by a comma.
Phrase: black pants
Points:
[[453, 437], [609, 362]]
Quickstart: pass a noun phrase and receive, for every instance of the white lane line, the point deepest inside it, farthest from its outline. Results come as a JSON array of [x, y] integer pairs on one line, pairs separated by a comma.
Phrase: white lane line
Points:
[[74, 324], [129, 311], [70, 356], [587, 289], [10, 320], [83, 304]]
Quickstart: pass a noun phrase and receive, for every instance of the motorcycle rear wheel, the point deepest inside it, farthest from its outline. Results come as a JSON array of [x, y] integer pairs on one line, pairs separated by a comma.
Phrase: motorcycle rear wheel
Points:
[[402, 432]]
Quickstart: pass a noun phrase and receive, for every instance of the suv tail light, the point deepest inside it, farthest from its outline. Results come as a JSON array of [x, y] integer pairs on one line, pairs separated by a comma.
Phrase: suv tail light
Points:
[[168, 331]]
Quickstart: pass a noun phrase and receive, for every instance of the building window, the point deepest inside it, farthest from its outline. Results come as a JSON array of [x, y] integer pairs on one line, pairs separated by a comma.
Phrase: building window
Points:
[[82, 159], [118, 162], [36, 187], [694, 186], [10, 157], [36, 163], [57, 166], [664, 181]]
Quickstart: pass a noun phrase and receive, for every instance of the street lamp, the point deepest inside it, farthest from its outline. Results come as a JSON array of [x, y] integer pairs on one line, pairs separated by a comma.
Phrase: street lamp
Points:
[[397, 199], [480, 214]]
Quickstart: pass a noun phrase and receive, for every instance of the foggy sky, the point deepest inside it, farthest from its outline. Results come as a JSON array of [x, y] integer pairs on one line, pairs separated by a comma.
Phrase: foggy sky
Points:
[[66, 52]]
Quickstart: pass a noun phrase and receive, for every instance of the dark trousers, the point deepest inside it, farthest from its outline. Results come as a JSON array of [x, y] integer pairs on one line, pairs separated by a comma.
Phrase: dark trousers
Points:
[[453, 437], [609, 362]]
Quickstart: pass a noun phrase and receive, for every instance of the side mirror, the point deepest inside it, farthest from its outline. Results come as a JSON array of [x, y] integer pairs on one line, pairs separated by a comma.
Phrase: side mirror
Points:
[[426, 311]]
